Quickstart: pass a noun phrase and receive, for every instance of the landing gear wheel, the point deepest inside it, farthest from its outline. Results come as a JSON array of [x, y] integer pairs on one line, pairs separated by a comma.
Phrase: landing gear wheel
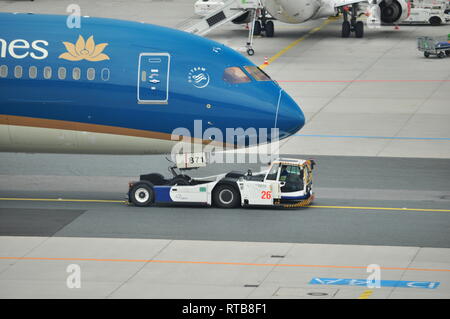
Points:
[[250, 52], [426, 54], [142, 195], [441, 55], [359, 29], [270, 29], [257, 29], [346, 29], [226, 196]]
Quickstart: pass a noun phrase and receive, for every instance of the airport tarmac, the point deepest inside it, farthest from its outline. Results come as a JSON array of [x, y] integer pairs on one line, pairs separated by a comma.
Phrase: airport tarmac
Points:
[[377, 124], [393, 212]]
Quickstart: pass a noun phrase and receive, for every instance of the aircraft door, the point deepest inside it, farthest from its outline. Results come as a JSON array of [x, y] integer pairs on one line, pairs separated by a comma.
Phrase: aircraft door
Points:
[[153, 81], [257, 193]]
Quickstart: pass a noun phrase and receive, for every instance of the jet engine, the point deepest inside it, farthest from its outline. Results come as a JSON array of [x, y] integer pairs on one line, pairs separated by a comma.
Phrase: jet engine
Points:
[[394, 11]]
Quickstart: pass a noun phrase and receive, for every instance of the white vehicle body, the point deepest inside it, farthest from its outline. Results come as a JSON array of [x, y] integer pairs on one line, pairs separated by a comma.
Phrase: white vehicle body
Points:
[[428, 12], [288, 183]]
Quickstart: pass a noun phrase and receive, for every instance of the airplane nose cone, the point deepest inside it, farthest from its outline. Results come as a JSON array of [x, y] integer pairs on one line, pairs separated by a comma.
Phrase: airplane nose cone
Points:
[[290, 118]]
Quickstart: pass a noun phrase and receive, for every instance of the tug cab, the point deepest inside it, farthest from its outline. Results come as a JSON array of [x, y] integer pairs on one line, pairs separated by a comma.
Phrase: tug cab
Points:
[[286, 182]]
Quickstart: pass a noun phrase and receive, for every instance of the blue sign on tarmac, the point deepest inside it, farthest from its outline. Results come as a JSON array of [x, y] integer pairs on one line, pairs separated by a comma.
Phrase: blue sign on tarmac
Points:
[[367, 282]]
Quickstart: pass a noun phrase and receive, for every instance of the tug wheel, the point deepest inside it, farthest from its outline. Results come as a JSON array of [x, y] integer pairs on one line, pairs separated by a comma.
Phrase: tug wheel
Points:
[[142, 195], [226, 196]]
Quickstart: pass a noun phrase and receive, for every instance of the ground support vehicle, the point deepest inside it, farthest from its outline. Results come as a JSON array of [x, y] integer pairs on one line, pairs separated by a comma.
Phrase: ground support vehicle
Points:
[[439, 46], [287, 183], [433, 12]]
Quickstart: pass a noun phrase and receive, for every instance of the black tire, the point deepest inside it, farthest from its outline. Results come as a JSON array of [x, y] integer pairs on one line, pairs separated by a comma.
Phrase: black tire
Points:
[[441, 55], [359, 29], [226, 196], [346, 29], [154, 178], [257, 29], [250, 52], [447, 52], [142, 195], [180, 180], [270, 29], [426, 54], [435, 21]]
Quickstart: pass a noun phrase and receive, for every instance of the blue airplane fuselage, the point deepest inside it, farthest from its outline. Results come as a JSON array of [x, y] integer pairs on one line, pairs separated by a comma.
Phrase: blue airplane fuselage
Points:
[[123, 87]]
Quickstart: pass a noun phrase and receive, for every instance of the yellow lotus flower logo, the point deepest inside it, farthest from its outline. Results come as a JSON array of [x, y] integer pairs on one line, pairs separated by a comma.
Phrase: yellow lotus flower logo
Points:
[[84, 50]]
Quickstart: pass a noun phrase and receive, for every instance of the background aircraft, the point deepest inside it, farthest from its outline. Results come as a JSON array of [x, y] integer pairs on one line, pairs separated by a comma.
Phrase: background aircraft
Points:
[[299, 11], [381, 11]]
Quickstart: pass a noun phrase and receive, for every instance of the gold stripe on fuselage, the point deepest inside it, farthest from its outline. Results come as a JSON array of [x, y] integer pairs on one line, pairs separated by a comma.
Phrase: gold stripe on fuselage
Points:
[[97, 128]]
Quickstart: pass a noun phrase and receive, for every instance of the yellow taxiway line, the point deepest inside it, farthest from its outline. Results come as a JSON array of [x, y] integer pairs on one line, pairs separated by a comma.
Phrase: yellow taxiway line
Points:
[[366, 294], [293, 44], [311, 206]]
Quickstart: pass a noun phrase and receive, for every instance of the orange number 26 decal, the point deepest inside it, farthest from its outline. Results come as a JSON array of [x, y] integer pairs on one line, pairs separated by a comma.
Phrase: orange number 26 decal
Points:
[[266, 195]]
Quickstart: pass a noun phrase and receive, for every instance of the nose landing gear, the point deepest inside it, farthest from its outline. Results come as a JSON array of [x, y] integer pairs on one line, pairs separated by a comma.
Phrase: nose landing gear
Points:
[[263, 24]]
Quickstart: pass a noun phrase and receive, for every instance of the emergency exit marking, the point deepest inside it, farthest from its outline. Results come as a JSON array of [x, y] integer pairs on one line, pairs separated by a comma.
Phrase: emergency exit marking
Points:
[[153, 84], [383, 283]]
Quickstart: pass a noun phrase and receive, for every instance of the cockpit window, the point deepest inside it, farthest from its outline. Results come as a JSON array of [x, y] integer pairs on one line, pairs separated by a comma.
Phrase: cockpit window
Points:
[[257, 73], [235, 75]]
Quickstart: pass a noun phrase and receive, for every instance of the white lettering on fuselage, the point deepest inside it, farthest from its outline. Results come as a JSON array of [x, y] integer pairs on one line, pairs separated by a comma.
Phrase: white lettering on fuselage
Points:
[[20, 49]]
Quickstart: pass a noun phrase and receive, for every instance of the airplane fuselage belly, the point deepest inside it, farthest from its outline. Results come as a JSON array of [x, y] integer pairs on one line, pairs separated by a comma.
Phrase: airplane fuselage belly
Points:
[[43, 140], [292, 11]]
